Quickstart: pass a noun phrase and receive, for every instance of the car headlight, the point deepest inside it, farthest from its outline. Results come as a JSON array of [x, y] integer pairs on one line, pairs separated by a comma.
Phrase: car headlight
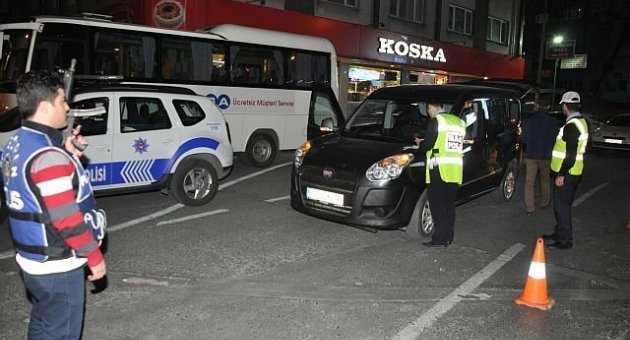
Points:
[[300, 153], [388, 168]]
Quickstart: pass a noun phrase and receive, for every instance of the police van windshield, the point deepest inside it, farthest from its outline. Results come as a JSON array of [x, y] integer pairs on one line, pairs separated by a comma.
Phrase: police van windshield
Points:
[[390, 120]]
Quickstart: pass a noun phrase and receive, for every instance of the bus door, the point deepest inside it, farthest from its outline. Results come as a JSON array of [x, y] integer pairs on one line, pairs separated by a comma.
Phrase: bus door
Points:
[[324, 115]]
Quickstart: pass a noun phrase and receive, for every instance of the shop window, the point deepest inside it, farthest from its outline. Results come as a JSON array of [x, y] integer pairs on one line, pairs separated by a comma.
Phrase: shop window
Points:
[[498, 30], [349, 3], [460, 19], [412, 10]]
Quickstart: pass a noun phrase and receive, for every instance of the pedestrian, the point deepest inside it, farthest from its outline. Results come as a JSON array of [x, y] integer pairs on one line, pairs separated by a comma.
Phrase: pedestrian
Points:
[[567, 165], [539, 133], [55, 226], [443, 144]]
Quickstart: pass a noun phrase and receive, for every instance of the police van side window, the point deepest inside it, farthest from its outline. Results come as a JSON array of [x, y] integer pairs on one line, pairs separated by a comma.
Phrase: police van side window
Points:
[[142, 114], [189, 112], [94, 125]]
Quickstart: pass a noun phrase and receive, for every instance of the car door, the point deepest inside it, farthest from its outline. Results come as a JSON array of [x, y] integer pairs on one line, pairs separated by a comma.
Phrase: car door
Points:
[[98, 130], [324, 113], [478, 149], [146, 137]]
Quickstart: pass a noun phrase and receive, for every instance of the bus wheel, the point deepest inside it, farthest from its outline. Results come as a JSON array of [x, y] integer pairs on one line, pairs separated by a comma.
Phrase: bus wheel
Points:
[[421, 222], [261, 150], [194, 183]]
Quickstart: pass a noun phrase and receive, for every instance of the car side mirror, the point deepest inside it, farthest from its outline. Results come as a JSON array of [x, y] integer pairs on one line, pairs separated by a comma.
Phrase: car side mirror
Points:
[[327, 125]]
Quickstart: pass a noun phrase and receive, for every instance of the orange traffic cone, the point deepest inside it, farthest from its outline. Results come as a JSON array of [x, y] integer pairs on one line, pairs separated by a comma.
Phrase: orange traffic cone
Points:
[[535, 292]]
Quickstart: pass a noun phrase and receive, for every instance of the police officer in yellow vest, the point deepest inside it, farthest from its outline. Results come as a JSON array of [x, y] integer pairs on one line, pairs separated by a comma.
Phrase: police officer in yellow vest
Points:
[[567, 164], [443, 144]]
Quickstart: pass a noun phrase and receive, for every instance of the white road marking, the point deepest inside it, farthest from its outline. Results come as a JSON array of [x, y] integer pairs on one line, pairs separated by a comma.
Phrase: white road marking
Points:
[[281, 198], [11, 253], [588, 194], [192, 217], [427, 319], [238, 180]]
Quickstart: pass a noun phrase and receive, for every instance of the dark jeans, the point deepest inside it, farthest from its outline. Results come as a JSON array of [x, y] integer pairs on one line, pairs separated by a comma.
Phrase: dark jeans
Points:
[[58, 302], [562, 202], [441, 197]]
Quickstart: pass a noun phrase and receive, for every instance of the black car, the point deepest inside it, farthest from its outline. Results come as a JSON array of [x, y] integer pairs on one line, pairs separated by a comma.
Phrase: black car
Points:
[[370, 174]]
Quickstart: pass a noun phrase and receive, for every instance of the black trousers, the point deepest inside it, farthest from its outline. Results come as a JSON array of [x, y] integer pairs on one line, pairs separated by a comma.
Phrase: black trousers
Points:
[[562, 201], [441, 197]]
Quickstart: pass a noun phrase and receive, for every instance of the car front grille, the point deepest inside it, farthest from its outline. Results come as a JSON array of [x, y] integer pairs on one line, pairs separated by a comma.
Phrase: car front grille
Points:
[[339, 181]]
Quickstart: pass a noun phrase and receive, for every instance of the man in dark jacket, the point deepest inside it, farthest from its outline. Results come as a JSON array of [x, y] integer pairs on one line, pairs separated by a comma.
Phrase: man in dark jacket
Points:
[[539, 134]]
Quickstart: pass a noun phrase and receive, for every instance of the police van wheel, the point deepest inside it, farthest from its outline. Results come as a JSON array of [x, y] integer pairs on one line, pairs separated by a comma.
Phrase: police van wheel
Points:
[[261, 150], [505, 191], [194, 183], [421, 222]]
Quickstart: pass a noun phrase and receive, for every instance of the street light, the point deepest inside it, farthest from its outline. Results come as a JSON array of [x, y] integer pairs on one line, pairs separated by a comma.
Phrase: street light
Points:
[[558, 39]]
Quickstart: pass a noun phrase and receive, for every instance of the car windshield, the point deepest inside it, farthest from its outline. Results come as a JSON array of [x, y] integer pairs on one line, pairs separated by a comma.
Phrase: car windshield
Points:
[[396, 120], [619, 121]]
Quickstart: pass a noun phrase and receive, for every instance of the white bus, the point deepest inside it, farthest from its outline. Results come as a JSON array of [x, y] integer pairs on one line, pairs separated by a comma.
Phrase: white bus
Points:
[[275, 89]]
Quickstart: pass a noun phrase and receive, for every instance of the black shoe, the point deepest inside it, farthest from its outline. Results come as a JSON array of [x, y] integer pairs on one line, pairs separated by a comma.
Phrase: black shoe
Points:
[[550, 237], [560, 245], [433, 244]]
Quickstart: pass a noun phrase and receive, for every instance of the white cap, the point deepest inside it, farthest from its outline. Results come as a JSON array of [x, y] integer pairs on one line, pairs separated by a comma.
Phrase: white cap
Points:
[[570, 97]]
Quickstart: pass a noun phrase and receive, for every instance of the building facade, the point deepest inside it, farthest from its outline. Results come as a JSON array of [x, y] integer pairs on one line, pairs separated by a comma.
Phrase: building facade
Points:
[[378, 42]]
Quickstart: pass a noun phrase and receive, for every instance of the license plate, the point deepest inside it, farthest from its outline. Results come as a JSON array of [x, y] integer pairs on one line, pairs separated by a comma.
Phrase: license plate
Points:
[[324, 196], [613, 141]]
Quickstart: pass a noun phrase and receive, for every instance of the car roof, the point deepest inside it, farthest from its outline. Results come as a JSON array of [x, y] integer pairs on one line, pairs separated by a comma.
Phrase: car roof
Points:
[[80, 89], [446, 92]]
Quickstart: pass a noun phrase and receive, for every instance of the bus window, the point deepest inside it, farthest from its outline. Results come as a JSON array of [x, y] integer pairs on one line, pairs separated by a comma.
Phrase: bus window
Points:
[[306, 68], [57, 45], [191, 60], [125, 54], [256, 66]]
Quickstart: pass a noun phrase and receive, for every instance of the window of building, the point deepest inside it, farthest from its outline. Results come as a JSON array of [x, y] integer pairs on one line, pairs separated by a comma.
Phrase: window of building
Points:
[[349, 3], [412, 10], [498, 30], [460, 19]]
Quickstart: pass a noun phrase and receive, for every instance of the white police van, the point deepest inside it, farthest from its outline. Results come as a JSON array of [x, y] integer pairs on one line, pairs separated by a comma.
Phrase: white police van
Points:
[[150, 137]]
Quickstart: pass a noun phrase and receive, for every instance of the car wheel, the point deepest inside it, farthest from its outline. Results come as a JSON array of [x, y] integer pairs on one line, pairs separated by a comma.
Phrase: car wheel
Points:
[[421, 222], [194, 183], [505, 191], [261, 150]]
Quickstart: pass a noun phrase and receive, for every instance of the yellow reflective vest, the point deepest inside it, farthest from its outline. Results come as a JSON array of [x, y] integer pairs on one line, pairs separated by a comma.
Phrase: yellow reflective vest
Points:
[[447, 152], [560, 148]]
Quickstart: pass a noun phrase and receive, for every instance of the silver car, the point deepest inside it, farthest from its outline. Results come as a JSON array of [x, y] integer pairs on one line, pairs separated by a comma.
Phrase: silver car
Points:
[[613, 134]]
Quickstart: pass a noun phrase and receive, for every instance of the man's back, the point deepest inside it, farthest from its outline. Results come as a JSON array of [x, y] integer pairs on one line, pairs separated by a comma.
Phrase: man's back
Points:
[[539, 133]]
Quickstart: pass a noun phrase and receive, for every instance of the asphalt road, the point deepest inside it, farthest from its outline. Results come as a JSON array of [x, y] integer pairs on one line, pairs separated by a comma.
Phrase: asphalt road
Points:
[[247, 266]]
